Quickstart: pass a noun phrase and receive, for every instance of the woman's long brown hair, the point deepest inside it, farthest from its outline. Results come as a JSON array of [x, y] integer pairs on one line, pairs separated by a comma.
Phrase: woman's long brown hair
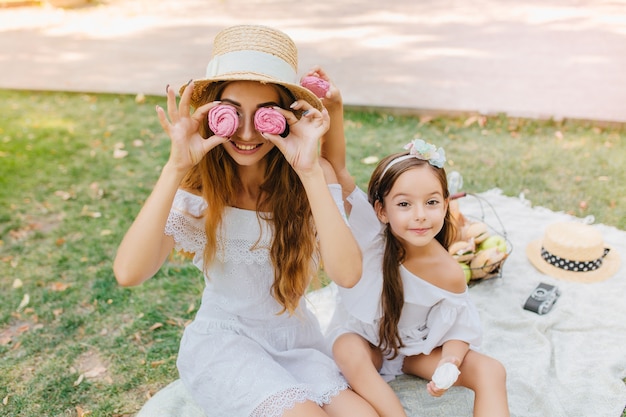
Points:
[[282, 202], [392, 297]]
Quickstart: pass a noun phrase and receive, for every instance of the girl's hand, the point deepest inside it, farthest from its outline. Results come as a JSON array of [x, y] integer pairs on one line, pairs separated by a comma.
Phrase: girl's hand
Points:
[[446, 374], [333, 98], [188, 147], [434, 391], [300, 147]]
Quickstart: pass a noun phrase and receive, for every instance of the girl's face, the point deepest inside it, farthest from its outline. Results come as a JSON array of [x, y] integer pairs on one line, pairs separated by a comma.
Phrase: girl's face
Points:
[[247, 147], [415, 207]]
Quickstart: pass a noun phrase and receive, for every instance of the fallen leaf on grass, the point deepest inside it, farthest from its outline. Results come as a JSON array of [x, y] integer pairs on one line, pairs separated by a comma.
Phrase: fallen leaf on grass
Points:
[[59, 286], [426, 119], [96, 191], [92, 366], [79, 380], [156, 326], [480, 120], [23, 303], [155, 364], [19, 234], [118, 151], [64, 195], [17, 283], [85, 212], [82, 413], [95, 372], [7, 335], [369, 160], [5, 400]]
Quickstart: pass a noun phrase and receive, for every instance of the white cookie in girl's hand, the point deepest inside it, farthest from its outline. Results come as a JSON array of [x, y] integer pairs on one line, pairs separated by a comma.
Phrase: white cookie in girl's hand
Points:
[[446, 375]]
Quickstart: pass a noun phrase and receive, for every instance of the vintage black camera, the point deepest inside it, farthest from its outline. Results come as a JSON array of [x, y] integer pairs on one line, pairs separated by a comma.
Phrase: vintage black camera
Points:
[[542, 299]]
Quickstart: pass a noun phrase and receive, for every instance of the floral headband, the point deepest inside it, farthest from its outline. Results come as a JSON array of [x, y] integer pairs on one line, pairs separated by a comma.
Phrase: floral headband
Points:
[[421, 150]]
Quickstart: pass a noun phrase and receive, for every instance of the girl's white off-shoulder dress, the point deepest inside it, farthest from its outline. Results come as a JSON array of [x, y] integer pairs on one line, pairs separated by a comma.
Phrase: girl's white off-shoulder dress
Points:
[[430, 315], [239, 357]]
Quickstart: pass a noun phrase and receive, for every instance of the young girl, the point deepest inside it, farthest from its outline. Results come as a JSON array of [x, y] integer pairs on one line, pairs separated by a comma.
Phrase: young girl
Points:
[[256, 211], [410, 312]]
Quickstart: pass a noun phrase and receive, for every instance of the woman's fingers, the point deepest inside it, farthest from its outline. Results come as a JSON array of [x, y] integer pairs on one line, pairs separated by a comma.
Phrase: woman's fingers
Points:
[[172, 108], [165, 123], [184, 107]]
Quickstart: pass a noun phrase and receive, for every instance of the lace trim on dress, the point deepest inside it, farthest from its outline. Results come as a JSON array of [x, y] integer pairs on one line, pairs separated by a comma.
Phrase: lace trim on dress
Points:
[[188, 233], [328, 396], [240, 251], [276, 405]]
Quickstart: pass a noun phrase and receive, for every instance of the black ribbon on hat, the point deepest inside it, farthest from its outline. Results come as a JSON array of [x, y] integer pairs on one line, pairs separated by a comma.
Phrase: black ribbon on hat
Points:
[[573, 266]]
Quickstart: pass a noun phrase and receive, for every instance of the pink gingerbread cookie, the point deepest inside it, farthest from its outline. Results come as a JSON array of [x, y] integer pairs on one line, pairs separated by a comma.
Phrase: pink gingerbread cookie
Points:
[[268, 120], [223, 120], [318, 86]]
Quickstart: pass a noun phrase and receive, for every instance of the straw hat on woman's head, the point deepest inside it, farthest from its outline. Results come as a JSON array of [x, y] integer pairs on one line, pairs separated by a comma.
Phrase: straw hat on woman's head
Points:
[[573, 251], [252, 53]]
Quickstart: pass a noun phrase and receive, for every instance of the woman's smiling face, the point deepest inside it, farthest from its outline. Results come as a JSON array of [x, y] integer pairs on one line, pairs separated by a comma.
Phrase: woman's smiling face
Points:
[[247, 146]]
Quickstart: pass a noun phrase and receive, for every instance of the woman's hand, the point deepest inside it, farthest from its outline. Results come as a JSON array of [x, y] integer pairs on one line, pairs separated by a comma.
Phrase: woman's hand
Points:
[[301, 146], [188, 147]]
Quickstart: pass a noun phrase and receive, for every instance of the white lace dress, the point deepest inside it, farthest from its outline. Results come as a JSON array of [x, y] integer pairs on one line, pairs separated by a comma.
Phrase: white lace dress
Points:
[[238, 357], [430, 315]]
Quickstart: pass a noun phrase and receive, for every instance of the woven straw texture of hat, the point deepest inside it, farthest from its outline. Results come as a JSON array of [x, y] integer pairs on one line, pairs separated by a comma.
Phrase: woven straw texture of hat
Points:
[[257, 38], [254, 38]]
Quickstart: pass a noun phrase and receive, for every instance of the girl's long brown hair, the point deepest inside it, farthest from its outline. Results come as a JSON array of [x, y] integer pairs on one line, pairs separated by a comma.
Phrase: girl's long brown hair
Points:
[[282, 202], [392, 297]]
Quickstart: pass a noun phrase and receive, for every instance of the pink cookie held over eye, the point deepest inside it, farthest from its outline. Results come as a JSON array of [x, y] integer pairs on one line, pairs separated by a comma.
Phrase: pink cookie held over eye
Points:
[[268, 120], [318, 86], [223, 120]]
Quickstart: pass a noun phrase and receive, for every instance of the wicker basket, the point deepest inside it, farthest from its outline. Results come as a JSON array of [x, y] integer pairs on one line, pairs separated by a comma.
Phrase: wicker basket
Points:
[[489, 270]]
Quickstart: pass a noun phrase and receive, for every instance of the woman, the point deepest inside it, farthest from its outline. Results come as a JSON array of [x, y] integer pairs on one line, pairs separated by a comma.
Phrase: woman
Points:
[[258, 214]]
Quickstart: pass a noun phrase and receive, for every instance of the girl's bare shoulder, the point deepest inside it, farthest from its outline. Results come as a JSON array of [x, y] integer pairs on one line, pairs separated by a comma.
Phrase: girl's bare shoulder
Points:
[[441, 270]]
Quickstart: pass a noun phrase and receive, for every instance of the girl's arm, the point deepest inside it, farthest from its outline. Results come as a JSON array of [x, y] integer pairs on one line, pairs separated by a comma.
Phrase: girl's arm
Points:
[[145, 246], [340, 252], [334, 142], [453, 351]]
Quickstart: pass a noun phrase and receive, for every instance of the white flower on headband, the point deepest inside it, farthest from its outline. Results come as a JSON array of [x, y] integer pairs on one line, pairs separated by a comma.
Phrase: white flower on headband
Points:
[[426, 151]]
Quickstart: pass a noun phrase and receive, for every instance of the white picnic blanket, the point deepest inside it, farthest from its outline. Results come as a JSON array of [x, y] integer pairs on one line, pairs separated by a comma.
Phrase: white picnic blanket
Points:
[[568, 363]]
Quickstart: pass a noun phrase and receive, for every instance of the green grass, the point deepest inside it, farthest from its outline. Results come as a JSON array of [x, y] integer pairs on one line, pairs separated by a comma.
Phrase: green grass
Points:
[[83, 344]]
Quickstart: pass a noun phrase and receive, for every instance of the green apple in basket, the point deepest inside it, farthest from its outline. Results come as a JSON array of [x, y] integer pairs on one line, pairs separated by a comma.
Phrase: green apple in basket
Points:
[[493, 241]]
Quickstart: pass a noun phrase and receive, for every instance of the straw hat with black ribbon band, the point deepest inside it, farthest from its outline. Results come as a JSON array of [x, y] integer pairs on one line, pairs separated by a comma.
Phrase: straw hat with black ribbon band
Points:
[[573, 251], [252, 53]]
